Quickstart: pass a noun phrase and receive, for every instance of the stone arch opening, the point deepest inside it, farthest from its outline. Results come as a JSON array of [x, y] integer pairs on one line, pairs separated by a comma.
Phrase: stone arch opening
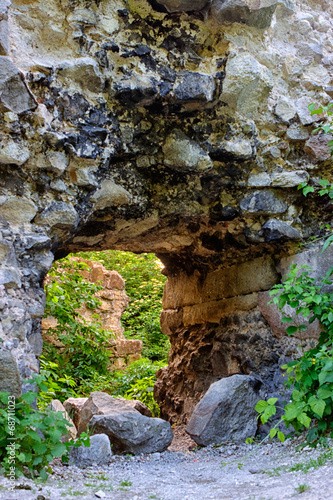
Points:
[[128, 133]]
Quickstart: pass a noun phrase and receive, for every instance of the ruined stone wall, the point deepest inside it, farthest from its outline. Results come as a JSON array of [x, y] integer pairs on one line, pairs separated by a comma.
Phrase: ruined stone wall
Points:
[[113, 302], [153, 127]]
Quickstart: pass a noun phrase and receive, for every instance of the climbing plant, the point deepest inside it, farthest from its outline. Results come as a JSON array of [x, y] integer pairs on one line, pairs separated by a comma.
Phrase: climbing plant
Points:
[[310, 376]]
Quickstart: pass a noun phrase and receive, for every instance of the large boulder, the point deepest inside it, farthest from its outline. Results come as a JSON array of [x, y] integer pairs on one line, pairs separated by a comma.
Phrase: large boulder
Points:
[[226, 412], [131, 432], [73, 407], [101, 403], [98, 453], [14, 93]]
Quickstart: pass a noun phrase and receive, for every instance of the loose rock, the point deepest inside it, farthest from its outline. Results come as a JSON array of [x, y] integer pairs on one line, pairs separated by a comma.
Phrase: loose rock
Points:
[[226, 412]]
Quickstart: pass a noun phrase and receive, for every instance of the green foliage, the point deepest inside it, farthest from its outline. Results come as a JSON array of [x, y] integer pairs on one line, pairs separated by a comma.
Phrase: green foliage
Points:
[[31, 438], [81, 367], [56, 387], [85, 344], [325, 127], [311, 376], [144, 285], [139, 370], [143, 390]]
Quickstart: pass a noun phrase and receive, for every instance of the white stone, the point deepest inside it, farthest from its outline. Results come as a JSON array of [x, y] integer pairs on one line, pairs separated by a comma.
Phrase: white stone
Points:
[[285, 110], [12, 152], [241, 149], [259, 180], [58, 160], [18, 210], [247, 84], [289, 179], [110, 194]]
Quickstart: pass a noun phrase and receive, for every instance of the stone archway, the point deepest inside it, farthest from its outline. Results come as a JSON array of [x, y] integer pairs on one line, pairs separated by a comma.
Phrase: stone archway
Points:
[[122, 130]]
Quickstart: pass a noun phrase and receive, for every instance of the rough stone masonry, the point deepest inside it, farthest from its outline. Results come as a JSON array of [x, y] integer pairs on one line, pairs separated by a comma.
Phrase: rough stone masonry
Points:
[[170, 126]]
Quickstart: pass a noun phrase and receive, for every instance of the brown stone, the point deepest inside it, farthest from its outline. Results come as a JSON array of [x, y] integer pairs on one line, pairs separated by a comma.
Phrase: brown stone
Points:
[[139, 406], [171, 320], [101, 403], [317, 147], [126, 347], [56, 405], [73, 407], [253, 276], [212, 312]]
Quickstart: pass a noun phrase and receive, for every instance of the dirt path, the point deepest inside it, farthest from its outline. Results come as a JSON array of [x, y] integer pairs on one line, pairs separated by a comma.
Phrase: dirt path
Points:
[[193, 475]]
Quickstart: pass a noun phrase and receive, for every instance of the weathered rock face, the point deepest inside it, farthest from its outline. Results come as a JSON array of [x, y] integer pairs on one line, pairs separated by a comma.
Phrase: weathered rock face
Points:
[[149, 127]]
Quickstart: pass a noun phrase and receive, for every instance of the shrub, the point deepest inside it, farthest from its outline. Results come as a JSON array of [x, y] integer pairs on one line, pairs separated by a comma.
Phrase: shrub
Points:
[[30, 438]]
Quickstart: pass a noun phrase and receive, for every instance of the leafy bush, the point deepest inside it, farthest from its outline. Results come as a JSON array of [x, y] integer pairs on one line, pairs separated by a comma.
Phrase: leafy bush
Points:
[[139, 370], [143, 390], [56, 387], [30, 438], [311, 376], [85, 344]]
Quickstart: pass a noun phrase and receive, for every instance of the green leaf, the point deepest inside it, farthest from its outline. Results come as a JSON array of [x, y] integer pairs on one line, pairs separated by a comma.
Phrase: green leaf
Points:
[[325, 377], [261, 406], [291, 330], [281, 436], [43, 474], [324, 392], [327, 243], [307, 190], [291, 412], [318, 407], [272, 401], [273, 432], [304, 420], [58, 450]]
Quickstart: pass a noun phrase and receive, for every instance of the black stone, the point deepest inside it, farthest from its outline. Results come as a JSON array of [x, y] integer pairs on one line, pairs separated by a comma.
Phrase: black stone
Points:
[[142, 50], [112, 46], [102, 58]]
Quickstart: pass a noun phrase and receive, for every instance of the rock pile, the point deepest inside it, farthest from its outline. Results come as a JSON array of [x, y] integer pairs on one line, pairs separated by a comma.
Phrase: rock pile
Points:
[[128, 426]]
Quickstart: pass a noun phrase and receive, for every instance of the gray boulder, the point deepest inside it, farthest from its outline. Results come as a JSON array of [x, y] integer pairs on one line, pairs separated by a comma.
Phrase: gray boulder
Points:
[[183, 154], [4, 27], [99, 452], [226, 412], [58, 214], [9, 374], [182, 5], [14, 93], [132, 432], [101, 403]]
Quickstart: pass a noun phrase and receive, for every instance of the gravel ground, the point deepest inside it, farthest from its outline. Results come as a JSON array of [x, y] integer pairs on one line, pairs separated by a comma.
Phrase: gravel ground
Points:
[[192, 475]]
